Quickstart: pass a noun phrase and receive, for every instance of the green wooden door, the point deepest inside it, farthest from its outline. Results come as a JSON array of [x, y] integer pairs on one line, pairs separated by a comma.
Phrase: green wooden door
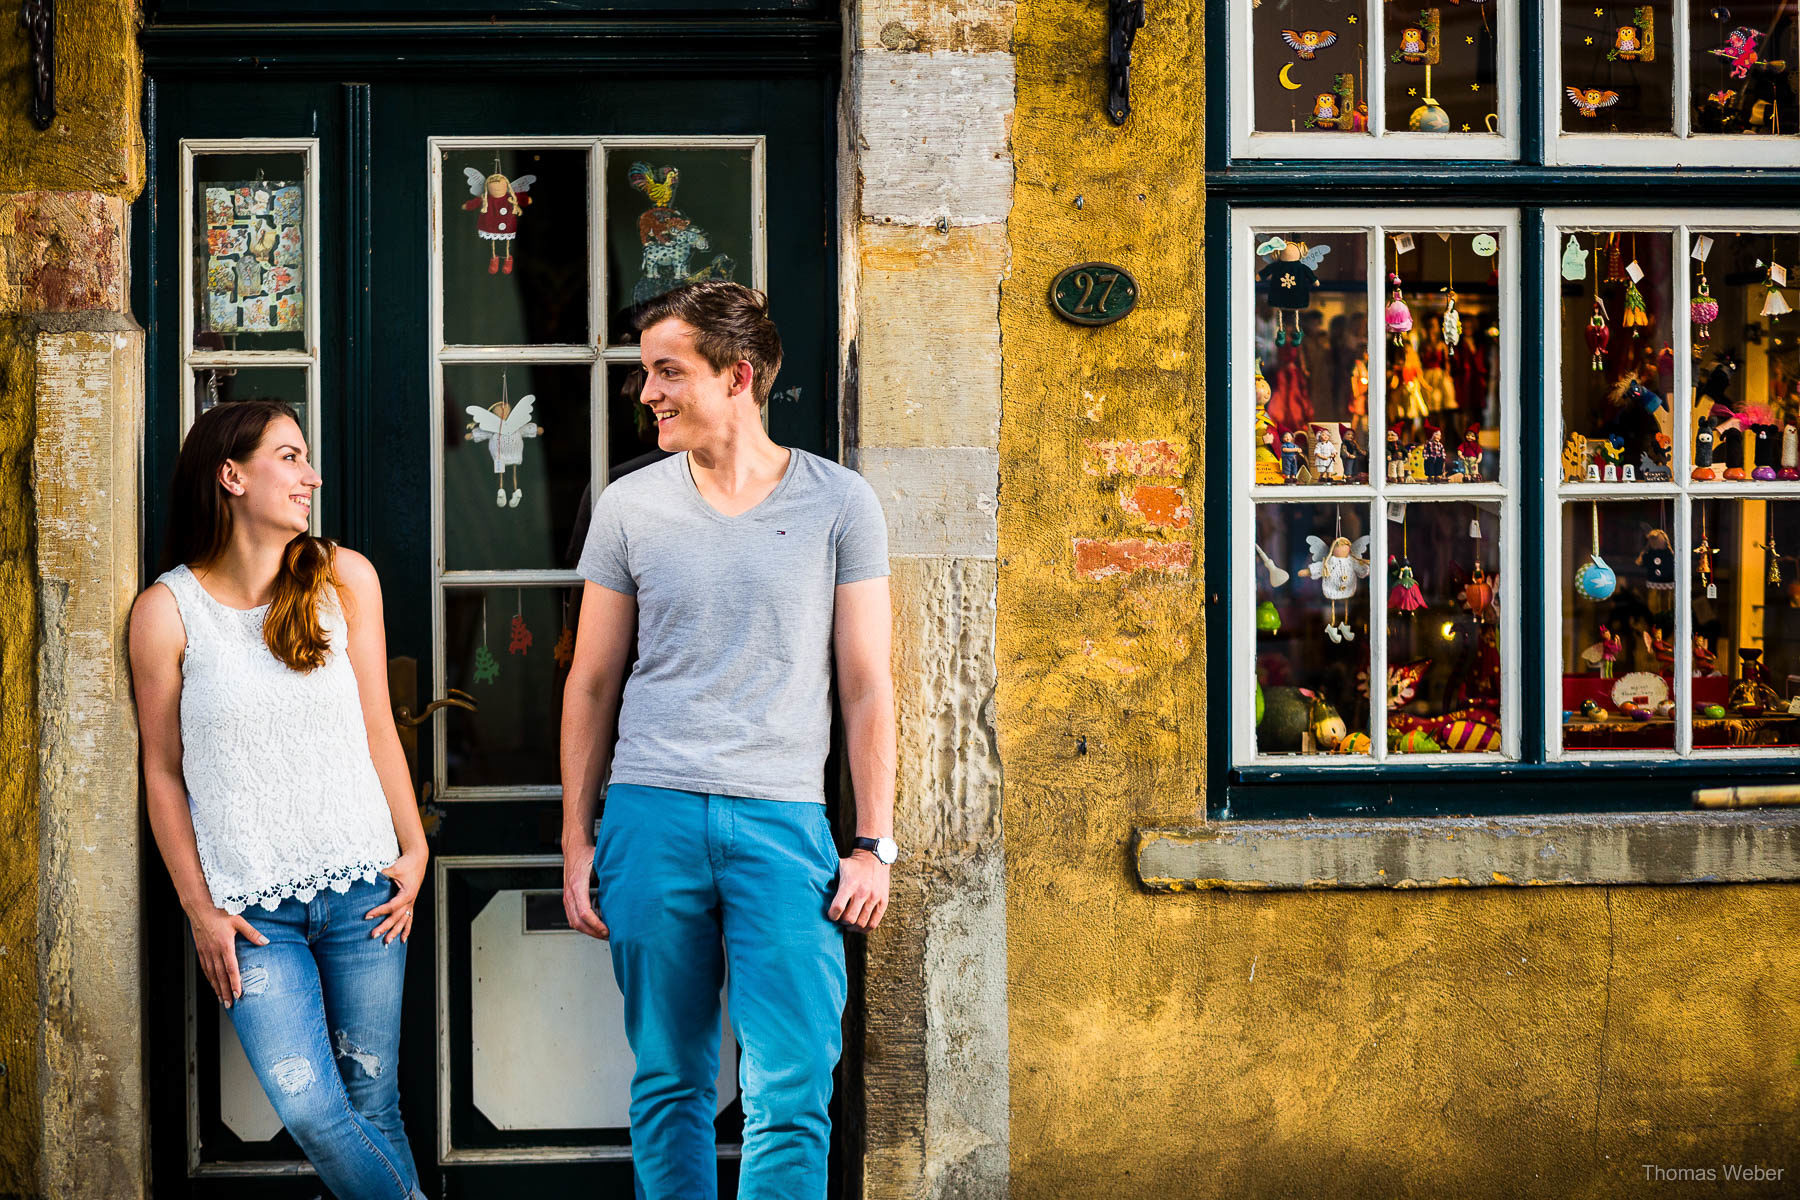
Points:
[[469, 393]]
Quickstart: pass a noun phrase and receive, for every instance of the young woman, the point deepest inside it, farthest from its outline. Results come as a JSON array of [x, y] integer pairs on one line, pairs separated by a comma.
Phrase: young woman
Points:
[[278, 792]]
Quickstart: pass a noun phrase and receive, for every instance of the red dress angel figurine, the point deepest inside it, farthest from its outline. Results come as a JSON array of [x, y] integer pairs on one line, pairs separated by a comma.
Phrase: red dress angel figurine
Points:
[[501, 201]]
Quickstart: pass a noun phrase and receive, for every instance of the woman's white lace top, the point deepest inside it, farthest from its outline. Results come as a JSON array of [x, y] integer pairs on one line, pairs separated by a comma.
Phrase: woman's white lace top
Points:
[[280, 783]]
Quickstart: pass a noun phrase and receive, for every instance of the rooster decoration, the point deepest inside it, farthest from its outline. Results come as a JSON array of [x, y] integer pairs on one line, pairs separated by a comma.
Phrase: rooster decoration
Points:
[[668, 237]]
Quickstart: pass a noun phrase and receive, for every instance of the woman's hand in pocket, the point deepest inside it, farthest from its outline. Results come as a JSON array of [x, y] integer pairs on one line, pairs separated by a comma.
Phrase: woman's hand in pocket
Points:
[[407, 871], [215, 940]]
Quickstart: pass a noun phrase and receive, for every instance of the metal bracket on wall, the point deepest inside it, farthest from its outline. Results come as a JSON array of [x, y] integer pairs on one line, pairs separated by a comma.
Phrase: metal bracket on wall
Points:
[[1123, 19], [38, 19]]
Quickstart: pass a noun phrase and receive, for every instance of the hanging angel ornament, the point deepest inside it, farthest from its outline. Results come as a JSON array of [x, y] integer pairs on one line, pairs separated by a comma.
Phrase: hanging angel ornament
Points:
[[1598, 334], [1290, 277], [501, 201], [504, 427], [1337, 567], [1399, 316], [1703, 310], [1774, 303]]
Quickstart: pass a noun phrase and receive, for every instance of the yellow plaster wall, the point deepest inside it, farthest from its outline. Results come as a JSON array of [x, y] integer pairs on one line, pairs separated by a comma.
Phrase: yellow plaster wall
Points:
[[1496, 1042], [96, 142]]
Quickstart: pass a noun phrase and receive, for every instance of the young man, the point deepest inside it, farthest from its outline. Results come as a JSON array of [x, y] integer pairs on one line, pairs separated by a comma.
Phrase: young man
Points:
[[744, 570]]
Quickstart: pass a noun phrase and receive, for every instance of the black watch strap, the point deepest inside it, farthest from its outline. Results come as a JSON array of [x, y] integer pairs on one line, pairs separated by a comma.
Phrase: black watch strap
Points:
[[863, 843]]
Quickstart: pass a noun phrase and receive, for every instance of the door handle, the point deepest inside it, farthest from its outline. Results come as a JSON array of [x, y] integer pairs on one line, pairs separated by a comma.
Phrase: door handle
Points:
[[404, 718]]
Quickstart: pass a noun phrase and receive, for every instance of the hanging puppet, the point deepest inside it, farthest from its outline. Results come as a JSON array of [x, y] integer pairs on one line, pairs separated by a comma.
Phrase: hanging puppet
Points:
[[1337, 567], [1703, 310], [500, 201], [1399, 316], [1658, 560], [1605, 652], [1404, 598], [504, 427], [1290, 278], [1598, 334]]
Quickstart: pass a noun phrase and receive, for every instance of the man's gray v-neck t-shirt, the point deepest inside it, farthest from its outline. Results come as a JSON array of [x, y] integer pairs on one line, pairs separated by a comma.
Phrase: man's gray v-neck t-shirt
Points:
[[731, 692]]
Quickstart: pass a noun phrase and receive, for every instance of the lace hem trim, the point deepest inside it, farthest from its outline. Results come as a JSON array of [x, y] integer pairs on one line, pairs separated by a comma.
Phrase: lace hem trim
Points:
[[303, 889]]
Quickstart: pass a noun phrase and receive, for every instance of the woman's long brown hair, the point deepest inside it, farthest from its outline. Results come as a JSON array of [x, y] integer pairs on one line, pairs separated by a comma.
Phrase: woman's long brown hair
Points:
[[200, 527]]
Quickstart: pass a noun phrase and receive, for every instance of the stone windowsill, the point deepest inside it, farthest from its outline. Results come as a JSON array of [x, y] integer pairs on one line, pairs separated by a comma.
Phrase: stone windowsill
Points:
[[1710, 846]]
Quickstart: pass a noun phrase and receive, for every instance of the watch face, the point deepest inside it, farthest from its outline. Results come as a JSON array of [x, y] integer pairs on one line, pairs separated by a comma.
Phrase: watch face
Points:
[[887, 850]]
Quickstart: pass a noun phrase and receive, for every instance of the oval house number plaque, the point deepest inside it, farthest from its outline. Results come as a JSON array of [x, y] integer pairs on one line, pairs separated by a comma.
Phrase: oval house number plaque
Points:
[[1093, 293]]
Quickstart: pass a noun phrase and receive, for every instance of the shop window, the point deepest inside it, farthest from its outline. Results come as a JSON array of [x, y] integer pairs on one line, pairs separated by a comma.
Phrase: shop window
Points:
[[1673, 82], [1425, 80], [1677, 493], [1375, 549]]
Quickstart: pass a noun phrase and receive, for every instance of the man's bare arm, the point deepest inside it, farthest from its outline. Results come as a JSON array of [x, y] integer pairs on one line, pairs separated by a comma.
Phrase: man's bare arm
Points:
[[603, 644], [862, 642]]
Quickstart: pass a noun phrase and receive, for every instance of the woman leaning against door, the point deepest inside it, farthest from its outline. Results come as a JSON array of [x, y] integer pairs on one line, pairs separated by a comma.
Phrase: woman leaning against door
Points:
[[277, 789]]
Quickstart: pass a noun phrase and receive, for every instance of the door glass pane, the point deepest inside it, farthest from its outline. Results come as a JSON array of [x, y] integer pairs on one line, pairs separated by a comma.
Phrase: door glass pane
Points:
[[674, 216], [249, 254], [222, 385], [1441, 68], [1443, 651], [1312, 350], [1443, 376], [1308, 72], [506, 646], [1617, 358], [515, 239], [1620, 577], [1741, 67], [1746, 596], [517, 454], [630, 430], [1312, 639], [1617, 68], [1746, 415]]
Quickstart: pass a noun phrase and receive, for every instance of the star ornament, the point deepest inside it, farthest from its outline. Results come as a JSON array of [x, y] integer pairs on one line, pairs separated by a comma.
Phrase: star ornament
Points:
[[1474, 87], [1351, 18], [1470, 39], [1588, 40], [1599, 12]]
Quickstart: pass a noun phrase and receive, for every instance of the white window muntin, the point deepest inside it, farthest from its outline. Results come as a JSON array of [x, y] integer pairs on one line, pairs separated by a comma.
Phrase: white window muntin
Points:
[[1374, 225], [1681, 490], [593, 352], [1379, 142], [1682, 148], [306, 360]]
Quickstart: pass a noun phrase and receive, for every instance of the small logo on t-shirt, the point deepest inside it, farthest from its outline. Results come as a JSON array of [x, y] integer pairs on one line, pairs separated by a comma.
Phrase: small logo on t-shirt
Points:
[[782, 532]]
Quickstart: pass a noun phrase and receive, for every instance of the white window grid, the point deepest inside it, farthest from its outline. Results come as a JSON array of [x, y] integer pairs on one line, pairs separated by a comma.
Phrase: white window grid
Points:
[[308, 359], [1566, 145], [1375, 496], [1379, 142], [593, 352], [1681, 491]]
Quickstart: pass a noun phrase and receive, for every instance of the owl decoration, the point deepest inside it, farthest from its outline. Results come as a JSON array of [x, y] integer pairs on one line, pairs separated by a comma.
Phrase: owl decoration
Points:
[[1740, 48], [1412, 44], [1325, 110], [1308, 42], [1625, 42], [1592, 100]]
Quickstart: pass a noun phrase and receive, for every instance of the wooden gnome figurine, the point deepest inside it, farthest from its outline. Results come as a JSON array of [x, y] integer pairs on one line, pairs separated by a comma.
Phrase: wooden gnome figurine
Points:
[[1790, 452], [1468, 455], [500, 201]]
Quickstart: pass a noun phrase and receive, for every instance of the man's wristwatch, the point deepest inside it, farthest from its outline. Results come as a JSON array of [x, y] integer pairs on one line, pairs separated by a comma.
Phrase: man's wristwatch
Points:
[[885, 850]]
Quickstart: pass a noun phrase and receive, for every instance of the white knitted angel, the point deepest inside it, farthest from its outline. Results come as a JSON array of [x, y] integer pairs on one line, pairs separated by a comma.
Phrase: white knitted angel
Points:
[[504, 427], [1337, 567]]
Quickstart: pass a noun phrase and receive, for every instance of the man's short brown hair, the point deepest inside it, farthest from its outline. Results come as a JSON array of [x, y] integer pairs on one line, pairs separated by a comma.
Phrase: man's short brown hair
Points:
[[730, 321]]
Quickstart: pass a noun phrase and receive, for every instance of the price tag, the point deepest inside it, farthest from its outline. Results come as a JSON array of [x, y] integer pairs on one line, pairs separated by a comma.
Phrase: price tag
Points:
[[1702, 248], [1397, 511], [1403, 242], [1636, 272], [1778, 274]]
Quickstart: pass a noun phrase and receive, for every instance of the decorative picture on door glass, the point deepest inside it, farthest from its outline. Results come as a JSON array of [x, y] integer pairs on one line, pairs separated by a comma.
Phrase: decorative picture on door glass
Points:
[[249, 222], [1617, 68], [1312, 358], [515, 247], [517, 458], [675, 216], [1307, 70], [255, 239], [1741, 68]]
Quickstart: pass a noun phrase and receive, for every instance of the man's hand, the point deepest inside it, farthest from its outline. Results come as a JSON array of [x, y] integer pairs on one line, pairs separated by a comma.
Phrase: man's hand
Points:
[[578, 869], [862, 895]]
